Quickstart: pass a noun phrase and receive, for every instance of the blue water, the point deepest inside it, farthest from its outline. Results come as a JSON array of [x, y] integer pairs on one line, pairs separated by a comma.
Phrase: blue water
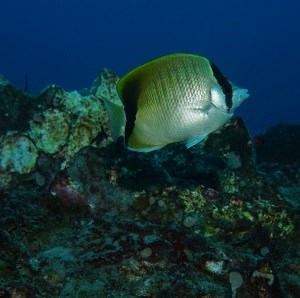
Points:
[[255, 43]]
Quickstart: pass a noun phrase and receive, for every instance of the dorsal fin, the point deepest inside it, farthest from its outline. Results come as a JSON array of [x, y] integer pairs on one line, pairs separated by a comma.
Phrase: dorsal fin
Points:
[[116, 116]]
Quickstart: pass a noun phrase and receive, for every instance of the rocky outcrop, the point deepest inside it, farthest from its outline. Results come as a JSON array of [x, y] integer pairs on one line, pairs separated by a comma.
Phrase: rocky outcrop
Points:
[[81, 216]]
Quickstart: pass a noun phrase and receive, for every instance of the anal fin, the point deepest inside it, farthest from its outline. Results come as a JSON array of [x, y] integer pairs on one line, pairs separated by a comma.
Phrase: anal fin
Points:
[[195, 140]]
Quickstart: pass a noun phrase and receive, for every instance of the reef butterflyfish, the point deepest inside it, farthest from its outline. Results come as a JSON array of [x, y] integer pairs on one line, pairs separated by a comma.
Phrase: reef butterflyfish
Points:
[[175, 98]]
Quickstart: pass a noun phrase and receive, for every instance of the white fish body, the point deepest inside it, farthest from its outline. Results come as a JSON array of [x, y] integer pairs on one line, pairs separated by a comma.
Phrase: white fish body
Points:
[[175, 98]]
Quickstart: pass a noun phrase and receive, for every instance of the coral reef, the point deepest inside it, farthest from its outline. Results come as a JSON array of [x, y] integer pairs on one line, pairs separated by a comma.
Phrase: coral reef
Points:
[[81, 216], [56, 124]]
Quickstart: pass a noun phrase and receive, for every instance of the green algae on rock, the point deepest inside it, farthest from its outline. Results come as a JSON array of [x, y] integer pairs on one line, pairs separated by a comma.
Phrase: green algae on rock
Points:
[[50, 130], [53, 122], [92, 218]]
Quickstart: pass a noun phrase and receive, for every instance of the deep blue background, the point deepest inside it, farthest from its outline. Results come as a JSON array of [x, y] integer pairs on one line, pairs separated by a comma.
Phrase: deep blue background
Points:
[[66, 42]]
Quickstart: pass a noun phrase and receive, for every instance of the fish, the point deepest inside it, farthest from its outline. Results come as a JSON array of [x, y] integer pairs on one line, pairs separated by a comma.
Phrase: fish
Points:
[[178, 97]]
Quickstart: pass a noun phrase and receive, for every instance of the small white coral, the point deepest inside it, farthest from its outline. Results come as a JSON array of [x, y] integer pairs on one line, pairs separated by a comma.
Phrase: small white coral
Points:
[[18, 154], [236, 280]]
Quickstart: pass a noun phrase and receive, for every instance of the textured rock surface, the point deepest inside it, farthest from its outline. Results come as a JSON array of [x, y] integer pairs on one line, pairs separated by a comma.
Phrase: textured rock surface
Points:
[[18, 154], [81, 216], [53, 124]]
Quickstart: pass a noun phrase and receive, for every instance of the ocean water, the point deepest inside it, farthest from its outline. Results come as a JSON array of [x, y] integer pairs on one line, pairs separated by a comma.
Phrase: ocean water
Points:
[[83, 216], [255, 43]]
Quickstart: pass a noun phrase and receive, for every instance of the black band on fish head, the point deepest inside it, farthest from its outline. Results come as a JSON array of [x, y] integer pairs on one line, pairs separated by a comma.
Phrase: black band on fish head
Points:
[[224, 83]]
